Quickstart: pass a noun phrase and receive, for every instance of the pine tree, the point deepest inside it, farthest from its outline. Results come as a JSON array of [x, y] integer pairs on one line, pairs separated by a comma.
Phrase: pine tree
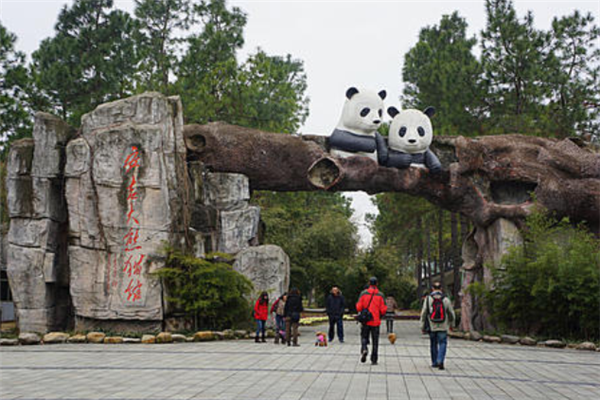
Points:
[[15, 113], [441, 71], [157, 42], [514, 60], [574, 77], [91, 59]]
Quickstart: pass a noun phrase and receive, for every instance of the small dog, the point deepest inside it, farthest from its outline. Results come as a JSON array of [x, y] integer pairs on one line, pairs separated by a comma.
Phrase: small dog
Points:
[[392, 338], [321, 339]]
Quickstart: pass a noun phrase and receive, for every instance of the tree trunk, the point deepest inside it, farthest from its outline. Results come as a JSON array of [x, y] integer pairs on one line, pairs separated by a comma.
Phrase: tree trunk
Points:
[[455, 258], [484, 178], [428, 247], [420, 260], [440, 237]]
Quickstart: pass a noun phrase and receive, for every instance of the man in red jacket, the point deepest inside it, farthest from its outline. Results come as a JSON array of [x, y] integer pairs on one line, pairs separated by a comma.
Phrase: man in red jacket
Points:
[[373, 300]]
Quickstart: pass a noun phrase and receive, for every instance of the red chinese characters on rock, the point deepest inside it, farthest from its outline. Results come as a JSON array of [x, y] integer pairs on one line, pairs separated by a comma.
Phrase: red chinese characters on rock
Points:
[[132, 257]]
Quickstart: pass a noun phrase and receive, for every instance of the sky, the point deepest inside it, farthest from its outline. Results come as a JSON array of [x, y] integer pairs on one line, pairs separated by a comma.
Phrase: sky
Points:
[[342, 44]]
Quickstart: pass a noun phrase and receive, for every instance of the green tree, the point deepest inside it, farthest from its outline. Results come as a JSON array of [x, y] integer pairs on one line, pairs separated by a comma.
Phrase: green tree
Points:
[[514, 60], [15, 113], [440, 70], [157, 42], [395, 279], [550, 285], [424, 238], [207, 73], [574, 80], [91, 59], [272, 92], [265, 92], [208, 290], [315, 230]]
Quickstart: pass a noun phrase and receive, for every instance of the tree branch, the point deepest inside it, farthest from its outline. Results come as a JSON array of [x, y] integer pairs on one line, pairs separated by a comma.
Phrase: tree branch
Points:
[[484, 178]]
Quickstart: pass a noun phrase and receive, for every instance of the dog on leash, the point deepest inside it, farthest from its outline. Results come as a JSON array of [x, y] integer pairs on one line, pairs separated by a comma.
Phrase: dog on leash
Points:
[[392, 338]]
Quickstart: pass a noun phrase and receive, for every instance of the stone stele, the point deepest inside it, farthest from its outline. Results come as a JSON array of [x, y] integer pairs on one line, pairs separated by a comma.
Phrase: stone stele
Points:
[[120, 212], [267, 266]]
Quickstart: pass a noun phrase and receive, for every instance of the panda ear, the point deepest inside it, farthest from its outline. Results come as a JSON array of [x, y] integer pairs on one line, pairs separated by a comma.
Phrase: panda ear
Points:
[[351, 92], [429, 111], [382, 94], [393, 111]]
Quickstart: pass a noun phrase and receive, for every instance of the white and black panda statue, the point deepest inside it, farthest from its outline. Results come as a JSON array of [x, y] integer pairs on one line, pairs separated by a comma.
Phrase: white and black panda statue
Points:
[[409, 139], [355, 134]]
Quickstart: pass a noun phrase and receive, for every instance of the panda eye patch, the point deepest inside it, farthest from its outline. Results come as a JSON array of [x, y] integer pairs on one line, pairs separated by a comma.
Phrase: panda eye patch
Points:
[[365, 111], [402, 131], [380, 112], [421, 131]]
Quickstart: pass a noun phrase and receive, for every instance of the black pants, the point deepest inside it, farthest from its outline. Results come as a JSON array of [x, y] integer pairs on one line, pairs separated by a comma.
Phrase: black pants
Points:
[[333, 322], [390, 325], [373, 331]]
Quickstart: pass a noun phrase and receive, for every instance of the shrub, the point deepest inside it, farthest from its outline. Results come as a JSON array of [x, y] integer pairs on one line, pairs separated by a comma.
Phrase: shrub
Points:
[[550, 285], [208, 290]]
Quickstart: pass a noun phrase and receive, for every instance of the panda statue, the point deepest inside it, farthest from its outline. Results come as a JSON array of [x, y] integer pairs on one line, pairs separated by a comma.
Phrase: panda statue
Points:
[[355, 134], [409, 139]]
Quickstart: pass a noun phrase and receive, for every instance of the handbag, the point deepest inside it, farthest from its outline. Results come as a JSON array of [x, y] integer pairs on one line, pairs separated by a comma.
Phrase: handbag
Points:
[[365, 315]]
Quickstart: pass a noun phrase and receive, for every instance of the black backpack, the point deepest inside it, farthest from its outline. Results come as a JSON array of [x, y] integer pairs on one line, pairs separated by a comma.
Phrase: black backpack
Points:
[[438, 312], [365, 315]]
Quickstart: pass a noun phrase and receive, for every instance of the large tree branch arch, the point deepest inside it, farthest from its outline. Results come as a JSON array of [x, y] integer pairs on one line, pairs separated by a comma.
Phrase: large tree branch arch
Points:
[[485, 178]]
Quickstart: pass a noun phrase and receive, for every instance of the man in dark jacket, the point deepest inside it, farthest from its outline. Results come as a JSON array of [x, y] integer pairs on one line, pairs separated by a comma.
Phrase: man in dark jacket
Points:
[[293, 308], [373, 300], [335, 306]]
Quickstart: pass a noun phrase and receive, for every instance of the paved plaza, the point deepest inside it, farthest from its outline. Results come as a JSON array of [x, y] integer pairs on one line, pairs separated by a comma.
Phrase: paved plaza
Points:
[[245, 370]]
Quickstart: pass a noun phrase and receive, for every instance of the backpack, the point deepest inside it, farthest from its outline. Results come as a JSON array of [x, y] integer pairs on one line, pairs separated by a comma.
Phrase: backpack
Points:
[[437, 313], [365, 315]]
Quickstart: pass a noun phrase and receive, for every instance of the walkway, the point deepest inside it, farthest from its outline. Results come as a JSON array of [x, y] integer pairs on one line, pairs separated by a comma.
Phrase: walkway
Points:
[[245, 370]]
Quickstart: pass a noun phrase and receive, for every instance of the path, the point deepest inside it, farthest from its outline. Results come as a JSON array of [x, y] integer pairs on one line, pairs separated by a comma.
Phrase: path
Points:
[[245, 370]]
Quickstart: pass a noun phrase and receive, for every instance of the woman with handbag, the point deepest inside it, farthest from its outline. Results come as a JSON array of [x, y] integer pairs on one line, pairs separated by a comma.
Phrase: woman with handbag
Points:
[[292, 310]]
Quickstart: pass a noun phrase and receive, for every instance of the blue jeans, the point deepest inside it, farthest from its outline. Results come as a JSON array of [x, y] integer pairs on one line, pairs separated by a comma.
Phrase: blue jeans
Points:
[[279, 326], [280, 322], [438, 342], [260, 327]]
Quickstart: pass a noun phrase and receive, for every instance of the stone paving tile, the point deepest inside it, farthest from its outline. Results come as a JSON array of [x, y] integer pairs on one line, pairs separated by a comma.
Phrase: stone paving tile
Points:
[[244, 370]]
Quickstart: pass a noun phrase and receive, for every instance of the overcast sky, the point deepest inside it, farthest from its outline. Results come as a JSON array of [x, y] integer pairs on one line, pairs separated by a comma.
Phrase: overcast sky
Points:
[[342, 43]]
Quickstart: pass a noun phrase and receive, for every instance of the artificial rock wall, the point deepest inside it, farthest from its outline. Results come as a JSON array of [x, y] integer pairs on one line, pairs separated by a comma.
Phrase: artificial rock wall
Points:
[[127, 194], [91, 210], [37, 260]]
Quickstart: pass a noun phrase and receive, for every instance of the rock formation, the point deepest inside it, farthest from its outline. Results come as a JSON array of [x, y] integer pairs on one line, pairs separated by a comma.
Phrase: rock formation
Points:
[[37, 260], [90, 212], [127, 195], [267, 266], [237, 221]]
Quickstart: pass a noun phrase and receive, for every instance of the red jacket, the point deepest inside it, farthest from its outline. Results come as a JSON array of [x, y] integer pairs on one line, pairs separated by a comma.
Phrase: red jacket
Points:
[[377, 307], [261, 311]]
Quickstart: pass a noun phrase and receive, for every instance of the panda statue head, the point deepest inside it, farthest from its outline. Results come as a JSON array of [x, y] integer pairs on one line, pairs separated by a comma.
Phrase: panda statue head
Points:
[[410, 130], [363, 111]]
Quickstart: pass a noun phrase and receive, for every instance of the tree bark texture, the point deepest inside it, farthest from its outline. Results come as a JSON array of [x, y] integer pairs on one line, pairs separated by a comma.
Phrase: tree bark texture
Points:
[[492, 181], [484, 178]]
